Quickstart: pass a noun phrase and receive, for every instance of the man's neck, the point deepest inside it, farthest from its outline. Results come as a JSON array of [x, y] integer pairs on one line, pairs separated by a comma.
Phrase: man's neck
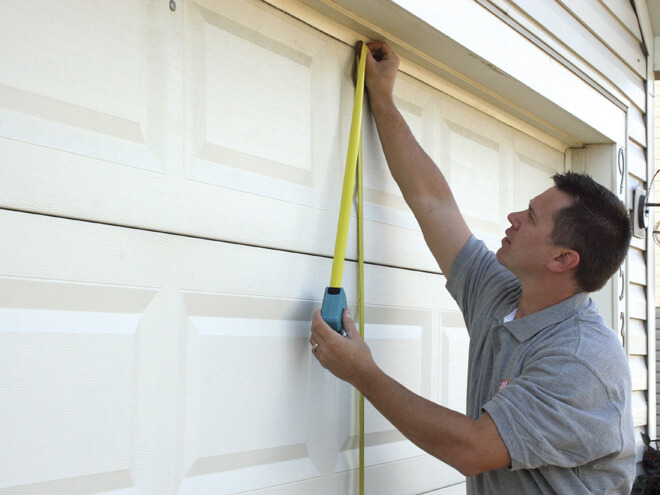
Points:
[[537, 297]]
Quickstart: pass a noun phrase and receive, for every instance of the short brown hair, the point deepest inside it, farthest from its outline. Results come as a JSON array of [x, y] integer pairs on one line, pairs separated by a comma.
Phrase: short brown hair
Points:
[[597, 226]]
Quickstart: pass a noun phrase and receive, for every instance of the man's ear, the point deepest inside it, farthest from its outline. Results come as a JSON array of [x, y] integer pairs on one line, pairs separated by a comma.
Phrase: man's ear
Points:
[[567, 259]]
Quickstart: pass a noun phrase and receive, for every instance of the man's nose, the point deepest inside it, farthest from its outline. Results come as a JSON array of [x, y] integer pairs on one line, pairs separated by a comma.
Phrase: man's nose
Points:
[[514, 219]]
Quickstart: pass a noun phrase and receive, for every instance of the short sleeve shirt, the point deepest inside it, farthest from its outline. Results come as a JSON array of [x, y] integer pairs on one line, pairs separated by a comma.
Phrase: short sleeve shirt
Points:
[[556, 383]]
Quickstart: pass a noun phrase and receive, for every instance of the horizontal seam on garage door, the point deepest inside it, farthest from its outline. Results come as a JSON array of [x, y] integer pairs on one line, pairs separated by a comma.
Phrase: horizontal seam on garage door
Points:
[[212, 239]]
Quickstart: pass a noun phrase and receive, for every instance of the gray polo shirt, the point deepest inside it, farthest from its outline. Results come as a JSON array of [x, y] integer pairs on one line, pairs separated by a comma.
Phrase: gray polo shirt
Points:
[[556, 383]]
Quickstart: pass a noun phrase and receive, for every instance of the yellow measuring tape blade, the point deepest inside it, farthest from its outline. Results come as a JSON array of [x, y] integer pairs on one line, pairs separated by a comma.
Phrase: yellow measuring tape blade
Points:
[[361, 303], [353, 161], [349, 176]]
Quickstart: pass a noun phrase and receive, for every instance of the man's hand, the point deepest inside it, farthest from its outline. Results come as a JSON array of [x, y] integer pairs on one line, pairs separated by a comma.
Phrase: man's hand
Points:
[[381, 70], [471, 446], [348, 358]]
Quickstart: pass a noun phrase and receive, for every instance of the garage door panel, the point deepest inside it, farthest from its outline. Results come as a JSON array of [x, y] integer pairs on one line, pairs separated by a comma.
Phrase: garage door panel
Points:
[[67, 366], [534, 165], [224, 120], [453, 374], [260, 98], [237, 109], [492, 170], [199, 380], [265, 113], [112, 31], [269, 416], [532, 173], [78, 78], [473, 153], [474, 172], [402, 343]]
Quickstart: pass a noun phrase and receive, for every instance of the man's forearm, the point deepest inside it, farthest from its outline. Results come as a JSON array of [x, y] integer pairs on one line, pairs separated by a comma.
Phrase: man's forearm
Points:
[[418, 177], [470, 446], [423, 186]]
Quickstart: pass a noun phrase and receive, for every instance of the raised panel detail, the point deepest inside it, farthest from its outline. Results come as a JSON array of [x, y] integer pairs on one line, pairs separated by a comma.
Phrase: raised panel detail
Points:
[[453, 381], [225, 120], [253, 389], [76, 77], [187, 363], [67, 355], [257, 104], [534, 165], [246, 116], [401, 343], [475, 172]]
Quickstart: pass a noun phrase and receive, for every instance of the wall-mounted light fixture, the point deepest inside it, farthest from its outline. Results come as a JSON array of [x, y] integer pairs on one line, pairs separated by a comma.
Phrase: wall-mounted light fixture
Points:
[[641, 212]]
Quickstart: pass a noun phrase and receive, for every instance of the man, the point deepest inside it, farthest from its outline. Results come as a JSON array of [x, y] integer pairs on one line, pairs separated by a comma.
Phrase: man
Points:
[[548, 403]]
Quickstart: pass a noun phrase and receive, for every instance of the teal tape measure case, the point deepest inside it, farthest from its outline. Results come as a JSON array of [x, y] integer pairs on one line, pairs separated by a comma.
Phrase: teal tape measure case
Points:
[[332, 309]]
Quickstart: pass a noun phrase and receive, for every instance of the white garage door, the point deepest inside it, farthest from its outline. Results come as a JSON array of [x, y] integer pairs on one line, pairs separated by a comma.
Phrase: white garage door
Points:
[[159, 346]]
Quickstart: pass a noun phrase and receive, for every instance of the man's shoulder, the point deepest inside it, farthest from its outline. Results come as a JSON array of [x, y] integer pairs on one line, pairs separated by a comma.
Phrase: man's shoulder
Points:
[[600, 347], [590, 342], [477, 260]]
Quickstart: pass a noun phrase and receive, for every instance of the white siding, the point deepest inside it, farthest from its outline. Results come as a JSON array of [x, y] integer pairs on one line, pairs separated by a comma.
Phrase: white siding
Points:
[[656, 348], [578, 43], [611, 33]]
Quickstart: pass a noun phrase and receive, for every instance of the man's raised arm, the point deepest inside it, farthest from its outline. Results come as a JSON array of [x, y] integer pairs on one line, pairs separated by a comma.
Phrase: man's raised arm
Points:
[[423, 186]]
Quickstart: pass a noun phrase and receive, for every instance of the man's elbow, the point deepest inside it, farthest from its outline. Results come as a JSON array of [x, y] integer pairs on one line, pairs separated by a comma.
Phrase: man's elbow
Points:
[[478, 458], [484, 449], [472, 466]]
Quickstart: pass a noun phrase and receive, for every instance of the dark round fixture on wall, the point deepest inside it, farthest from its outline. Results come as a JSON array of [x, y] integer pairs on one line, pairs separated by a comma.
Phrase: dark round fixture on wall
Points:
[[641, 211]]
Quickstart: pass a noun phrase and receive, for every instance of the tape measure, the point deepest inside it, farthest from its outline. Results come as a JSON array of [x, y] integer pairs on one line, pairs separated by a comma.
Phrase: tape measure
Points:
[[334, 298]]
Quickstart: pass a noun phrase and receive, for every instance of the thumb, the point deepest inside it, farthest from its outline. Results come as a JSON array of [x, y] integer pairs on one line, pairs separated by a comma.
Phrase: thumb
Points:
[[358, 48], [349, 326], [371, 61]]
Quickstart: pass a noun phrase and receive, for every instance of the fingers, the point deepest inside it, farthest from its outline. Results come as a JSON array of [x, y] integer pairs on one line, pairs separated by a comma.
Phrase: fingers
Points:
[[319, 328], [322, 333], [377, 50], [382, 66], [358, 48], [380, 51], [347, 357], [316, 332], [351, 331]]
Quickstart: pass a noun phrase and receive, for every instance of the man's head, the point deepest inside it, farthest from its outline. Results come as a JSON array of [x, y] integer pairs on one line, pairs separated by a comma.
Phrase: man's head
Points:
[[578, 230], [597, 226]]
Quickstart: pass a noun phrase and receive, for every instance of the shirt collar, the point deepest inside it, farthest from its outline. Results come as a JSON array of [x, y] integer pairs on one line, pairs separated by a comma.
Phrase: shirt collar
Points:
[[525, 328]]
